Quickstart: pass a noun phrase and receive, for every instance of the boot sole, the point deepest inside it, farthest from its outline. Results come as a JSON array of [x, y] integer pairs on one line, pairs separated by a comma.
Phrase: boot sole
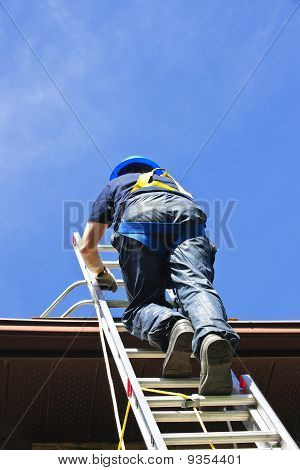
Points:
[[177, 362], [218, 380]]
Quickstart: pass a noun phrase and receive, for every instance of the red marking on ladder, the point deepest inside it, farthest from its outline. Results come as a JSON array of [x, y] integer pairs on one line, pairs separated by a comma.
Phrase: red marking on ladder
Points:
[[243, 383], [129, 389], [73, 240]]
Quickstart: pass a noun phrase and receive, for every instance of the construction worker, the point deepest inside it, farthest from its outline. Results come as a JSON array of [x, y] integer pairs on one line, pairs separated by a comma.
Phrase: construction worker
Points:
[[159, 232]]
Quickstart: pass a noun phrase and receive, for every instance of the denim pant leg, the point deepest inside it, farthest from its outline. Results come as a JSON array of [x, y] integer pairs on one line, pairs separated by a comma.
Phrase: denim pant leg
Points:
[[192, 275], [149, 316]]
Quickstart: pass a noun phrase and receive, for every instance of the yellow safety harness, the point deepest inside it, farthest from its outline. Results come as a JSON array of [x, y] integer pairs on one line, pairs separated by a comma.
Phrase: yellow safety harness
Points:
[[146, 180]]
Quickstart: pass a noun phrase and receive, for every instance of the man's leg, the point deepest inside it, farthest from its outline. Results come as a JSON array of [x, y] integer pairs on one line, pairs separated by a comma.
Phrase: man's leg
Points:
[[149, 316], [192, 274]]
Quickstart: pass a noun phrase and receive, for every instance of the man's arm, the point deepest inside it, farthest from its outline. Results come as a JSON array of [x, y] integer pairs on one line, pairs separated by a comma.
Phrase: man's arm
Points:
[[92, 234]]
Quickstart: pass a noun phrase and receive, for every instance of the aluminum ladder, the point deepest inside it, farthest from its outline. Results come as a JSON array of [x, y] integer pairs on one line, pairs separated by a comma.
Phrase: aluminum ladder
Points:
[[262, 427]]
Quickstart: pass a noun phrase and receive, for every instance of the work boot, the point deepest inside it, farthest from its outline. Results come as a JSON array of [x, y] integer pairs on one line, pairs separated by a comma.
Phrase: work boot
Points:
[[216, 358], [177, 361]]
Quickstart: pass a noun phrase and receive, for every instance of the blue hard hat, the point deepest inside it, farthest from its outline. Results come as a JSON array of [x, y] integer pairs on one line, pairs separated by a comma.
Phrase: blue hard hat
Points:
[[129, 161]]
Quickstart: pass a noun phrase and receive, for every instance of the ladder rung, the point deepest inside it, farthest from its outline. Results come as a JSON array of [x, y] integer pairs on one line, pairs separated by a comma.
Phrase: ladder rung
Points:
[[220, 437], [230, 400], [111, 264], [190, 416], [117, 303], [120, 327], [136, 353], [106, 248], [168, 383]]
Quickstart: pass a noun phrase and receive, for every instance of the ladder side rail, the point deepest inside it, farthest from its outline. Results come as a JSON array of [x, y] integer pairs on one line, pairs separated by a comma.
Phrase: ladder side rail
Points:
[[143, 414], [252, 424], [62, 296], [269, 415], [76, 306], [139, 405], [258, 424]]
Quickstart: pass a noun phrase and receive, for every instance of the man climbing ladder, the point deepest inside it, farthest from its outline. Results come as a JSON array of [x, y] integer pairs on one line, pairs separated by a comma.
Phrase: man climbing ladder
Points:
[[159, 232]]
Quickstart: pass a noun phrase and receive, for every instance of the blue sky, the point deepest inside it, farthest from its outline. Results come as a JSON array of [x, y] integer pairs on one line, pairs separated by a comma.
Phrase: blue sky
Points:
[[152, 78]]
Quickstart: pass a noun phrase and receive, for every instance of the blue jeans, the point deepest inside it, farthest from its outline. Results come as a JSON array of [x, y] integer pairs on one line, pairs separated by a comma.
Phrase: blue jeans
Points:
[[188, 269]]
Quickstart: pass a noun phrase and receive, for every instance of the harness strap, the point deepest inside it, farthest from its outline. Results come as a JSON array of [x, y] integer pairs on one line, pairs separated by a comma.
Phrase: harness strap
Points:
[[153, 234], [144, 182], [154, 228]]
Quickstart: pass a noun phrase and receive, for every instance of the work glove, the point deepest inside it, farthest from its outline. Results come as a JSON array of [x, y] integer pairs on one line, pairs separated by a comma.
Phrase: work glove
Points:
[[106, 280]]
